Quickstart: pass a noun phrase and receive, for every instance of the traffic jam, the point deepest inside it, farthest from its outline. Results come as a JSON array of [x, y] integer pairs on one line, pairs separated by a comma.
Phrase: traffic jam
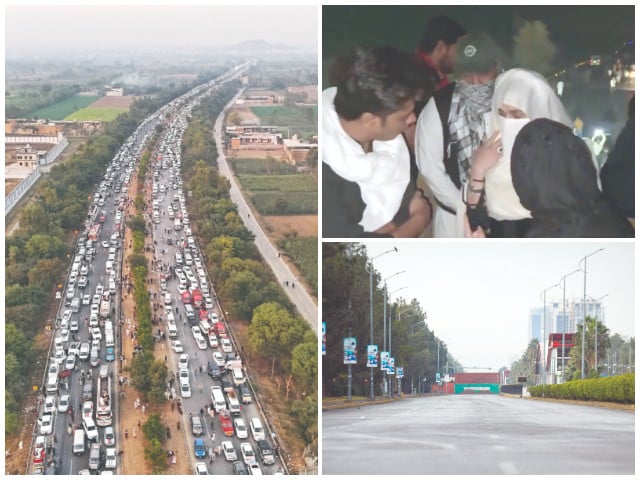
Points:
[[77, 431]]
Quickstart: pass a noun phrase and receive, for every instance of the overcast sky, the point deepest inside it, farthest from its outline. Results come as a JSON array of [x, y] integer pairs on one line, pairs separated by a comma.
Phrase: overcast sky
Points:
[[478, 295], [29, 28]]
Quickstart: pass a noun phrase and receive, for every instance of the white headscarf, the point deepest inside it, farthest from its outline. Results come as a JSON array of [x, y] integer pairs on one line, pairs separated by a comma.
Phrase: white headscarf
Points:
[[382, 175], [529, 92]]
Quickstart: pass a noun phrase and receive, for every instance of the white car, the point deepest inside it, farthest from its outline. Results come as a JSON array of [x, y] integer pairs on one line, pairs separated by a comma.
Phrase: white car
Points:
[[254, 468], [84, 270], [66, 316], [213, 340], [219, 359], [95, 308], [70, 362], [64, 335], [63, 404], [86, 299], [183, 361], [183, 375], [241, 428], [177, 347], [208, 302], [53, 368], [75, 325], [185, 390], [59, 357], [87, 409], [247, 452], [50, 404], [96, 333], [46, 424], [109, 437], [229, 452], [201, 342], [93, 320], [96, 299], [226, 345], [99, 289], [201, 468], [105, 244]]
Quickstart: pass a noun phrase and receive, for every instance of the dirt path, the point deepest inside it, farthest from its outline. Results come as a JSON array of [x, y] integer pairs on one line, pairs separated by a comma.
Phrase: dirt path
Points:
[[133, 462]]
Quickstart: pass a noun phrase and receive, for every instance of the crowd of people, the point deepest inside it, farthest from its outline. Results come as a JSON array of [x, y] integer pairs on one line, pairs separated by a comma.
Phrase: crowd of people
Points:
[[409, 152]]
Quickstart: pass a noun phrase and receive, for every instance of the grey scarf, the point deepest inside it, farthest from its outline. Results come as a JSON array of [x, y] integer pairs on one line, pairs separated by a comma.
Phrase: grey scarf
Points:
[[467, 126]]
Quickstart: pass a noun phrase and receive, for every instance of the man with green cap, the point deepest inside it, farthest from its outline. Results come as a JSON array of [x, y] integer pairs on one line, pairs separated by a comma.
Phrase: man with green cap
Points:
[[453, 124]]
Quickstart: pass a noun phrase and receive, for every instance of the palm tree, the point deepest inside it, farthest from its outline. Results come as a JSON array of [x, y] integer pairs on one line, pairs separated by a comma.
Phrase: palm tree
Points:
[[589, 351]]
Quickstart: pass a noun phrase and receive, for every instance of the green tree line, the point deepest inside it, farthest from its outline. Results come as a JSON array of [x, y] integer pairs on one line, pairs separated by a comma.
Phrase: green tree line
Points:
[[346, 311]]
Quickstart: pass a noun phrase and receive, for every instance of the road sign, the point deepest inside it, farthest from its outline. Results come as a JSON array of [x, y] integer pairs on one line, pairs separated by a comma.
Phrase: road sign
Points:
[[438, 377]]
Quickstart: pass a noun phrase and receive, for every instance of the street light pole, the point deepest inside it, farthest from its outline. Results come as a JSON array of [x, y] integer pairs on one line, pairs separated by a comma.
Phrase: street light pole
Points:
[[584, 308], [384, 330], [544, 321], [370, 265], [596, 310], [564, 314]]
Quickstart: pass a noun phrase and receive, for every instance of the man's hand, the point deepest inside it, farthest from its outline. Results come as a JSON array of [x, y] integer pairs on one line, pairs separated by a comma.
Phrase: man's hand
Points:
[[420, 212]]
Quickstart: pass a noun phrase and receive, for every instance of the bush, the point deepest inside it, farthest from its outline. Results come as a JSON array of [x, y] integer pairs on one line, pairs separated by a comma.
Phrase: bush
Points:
[[619, 389]]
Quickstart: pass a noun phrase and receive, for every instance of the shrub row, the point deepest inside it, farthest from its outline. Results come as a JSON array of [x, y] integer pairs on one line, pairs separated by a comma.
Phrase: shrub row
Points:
[[620, 389]]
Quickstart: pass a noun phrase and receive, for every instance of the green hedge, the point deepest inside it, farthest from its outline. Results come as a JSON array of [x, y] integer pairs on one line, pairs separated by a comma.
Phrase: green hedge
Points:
[[619, 389]]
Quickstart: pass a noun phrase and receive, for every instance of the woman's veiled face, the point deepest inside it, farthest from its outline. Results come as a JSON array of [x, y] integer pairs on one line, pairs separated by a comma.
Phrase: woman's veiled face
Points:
[[509, 111]]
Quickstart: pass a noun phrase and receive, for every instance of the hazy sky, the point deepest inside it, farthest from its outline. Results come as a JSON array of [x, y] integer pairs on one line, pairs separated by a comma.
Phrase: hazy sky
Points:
[[29, 28], [478, 295]]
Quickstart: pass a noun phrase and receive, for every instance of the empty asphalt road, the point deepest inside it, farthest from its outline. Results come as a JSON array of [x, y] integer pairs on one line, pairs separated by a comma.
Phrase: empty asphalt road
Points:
[[477, 435]]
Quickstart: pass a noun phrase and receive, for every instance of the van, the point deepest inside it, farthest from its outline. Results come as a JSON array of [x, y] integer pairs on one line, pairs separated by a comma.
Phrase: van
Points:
[[217, 398], [256, 429], [190, 313], [173, 330], [266, 452], [205, 327], [52, 383], [94, 456], [171, 318], [238, 376], [75, 304], [79, 442], [90, 429], [234, 404], [109, 338]]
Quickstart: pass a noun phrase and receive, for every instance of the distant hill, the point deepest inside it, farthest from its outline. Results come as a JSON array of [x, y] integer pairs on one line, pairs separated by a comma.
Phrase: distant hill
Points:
[[260, 47]]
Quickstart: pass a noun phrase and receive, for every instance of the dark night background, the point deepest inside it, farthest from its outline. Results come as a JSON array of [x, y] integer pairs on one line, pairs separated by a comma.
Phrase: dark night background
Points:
[[577, 32]]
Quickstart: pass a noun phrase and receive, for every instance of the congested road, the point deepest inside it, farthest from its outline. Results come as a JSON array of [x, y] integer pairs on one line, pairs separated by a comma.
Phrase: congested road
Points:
[[86, 344]]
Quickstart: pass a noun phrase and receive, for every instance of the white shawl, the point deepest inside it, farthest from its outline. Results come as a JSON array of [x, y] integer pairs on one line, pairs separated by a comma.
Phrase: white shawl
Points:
[[382, 175]]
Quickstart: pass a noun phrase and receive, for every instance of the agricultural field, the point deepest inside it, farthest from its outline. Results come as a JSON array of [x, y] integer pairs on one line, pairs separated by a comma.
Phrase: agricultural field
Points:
[[299, 120], [254, 166], [303, 251], [96, 114], [61, 110], [293, 194]]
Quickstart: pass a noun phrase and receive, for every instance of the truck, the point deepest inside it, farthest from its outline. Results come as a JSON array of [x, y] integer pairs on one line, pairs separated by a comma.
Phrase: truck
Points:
[[94, 232], [79, 441], [105, 306], [103, 408], [220, 330], [197, 298], [226, 424], [94, 456]]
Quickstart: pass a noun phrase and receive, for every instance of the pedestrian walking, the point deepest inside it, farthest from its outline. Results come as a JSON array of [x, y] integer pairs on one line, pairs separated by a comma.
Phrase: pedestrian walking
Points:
[[126, 433]]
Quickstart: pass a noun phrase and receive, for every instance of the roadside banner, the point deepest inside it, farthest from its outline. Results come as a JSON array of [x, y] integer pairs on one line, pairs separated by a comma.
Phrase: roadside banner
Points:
[[350, 344], [384, 361], [391, 370], [372, 356], [324, 338]]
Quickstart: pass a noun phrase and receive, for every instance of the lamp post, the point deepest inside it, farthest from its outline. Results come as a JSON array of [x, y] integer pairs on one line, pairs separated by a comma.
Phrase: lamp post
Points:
[[544, 321], [584, 308], [369, 268], [399, 316], [564, 313], [596, 310], [384, 329]]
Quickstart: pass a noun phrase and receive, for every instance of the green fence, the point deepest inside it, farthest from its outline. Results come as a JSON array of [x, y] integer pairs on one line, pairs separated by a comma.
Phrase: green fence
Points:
[[476, 388]]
